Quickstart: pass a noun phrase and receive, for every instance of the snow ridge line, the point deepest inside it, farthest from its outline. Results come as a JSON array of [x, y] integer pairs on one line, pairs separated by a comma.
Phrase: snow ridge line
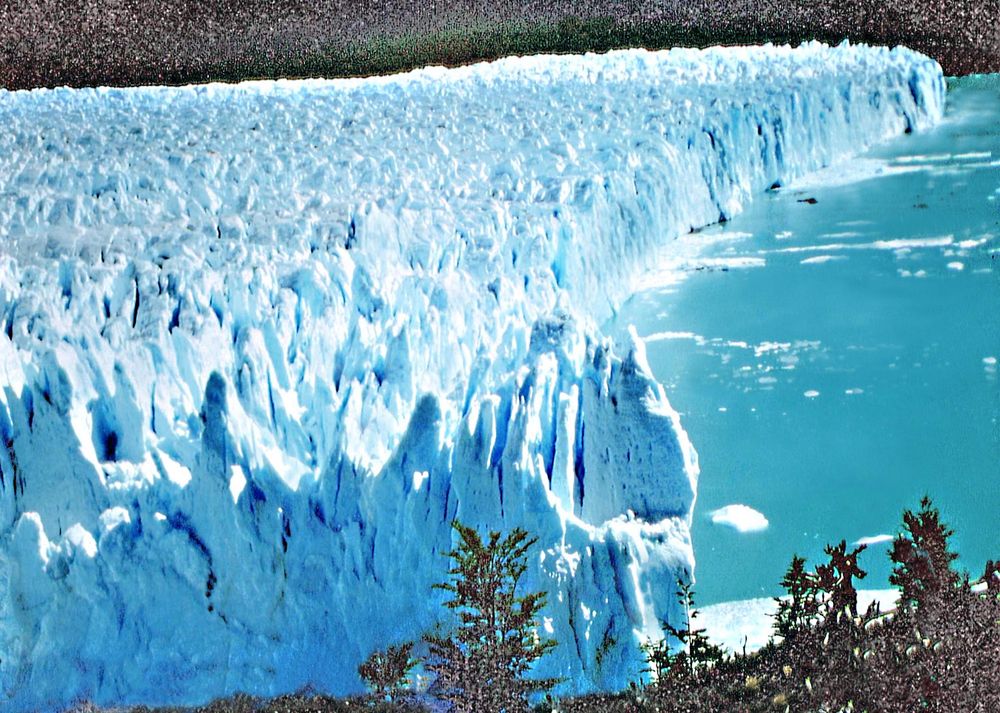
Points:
[[264, 341]]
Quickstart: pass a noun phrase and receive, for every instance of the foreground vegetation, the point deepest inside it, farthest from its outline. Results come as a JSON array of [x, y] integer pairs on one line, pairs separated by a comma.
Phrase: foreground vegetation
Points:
[[938, 651]]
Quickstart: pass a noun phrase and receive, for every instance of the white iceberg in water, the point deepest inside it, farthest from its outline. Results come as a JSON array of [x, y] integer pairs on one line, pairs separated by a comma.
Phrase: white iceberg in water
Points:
[[741, 518]]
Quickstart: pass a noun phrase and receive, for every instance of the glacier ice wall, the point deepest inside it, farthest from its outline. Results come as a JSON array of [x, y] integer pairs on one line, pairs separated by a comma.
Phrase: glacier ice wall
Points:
[[262, 343]]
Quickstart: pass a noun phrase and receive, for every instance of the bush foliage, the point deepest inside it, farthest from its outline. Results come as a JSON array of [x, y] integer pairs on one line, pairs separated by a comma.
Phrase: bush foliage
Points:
[[386, 673]]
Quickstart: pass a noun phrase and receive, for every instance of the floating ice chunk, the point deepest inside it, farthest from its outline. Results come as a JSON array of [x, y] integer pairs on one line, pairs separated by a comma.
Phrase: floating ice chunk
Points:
[[990, 360], [925, 158], [901, 246], [820, 259], [910, 243], [872, 540], [810, 394], [738, 262], [663, 336], [842, 234], [974, 243], [741, 518], [726, 263], [956, 266], [854, 391], [765, 347]]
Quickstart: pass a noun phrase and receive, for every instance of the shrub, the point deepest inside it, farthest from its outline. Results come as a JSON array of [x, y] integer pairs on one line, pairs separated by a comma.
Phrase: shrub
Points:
[[386, 673], [922, 560], [801, 607], [696, 651]]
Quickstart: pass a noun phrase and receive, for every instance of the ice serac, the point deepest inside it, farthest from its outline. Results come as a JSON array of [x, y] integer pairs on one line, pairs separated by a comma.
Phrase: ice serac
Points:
[[262, 343]]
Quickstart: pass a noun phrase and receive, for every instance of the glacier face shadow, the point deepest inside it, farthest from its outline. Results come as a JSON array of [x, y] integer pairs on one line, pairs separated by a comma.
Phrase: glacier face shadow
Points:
[[264, 342]]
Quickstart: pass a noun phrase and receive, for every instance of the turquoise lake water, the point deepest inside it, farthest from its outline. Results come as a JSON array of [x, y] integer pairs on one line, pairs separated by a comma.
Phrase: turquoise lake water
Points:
[[833, 353]]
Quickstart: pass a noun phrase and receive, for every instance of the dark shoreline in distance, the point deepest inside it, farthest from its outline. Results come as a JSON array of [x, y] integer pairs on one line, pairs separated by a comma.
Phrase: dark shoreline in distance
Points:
[[142, 42]]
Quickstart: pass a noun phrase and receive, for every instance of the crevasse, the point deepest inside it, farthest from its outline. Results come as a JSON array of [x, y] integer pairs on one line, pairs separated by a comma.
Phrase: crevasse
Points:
[[262, 343]]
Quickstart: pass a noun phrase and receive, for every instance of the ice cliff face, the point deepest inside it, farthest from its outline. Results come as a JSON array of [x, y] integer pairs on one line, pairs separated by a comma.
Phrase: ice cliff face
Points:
[[262, 343]]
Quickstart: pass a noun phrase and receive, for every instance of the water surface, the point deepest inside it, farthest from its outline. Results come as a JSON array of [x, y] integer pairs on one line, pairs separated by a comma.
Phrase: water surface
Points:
[[833, 352]]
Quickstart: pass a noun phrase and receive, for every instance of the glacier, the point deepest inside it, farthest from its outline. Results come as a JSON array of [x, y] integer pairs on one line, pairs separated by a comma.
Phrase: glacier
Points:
[[263, 342]]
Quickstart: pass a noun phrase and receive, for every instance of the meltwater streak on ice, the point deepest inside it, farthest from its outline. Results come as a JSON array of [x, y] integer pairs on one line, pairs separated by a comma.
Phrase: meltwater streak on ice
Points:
[[832, 394], [263, 342]]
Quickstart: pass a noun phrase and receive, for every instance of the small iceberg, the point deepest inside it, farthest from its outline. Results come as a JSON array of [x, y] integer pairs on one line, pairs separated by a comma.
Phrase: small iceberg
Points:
[[820, 259], [741, 518]]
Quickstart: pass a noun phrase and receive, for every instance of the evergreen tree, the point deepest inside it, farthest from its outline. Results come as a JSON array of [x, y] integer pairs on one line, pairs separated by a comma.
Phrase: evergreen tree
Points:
[[836, 578], [922, 561], [481, 667], [801, 607]]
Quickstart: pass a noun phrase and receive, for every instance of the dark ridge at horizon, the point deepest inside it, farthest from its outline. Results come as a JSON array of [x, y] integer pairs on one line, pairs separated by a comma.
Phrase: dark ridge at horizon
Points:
[[139, 42]]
